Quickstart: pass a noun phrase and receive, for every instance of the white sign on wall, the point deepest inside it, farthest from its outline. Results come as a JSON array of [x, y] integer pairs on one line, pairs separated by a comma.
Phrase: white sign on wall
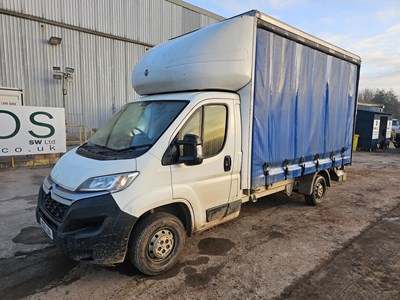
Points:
[[10, 96], [375, 130], [389, 129], [31, 130]]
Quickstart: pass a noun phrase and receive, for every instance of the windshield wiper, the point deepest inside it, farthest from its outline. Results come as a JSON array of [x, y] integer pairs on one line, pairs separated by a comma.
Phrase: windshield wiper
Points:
[[142, 146], [92, 147], [104, 151], [133, 148]]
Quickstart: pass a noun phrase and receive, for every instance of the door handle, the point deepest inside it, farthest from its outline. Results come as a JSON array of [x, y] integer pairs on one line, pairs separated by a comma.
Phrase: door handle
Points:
[[227, 163]]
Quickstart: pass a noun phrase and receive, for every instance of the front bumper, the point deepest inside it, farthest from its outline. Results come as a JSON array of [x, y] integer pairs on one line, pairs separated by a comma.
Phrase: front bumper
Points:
[[90, 229]]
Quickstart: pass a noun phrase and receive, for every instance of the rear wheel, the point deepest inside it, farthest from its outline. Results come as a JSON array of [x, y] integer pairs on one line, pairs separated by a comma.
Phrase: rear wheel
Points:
[[318, 191], [157, 243]]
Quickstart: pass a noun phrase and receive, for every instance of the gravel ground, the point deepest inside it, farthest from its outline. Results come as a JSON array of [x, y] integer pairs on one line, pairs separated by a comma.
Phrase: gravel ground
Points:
[[346, 248]]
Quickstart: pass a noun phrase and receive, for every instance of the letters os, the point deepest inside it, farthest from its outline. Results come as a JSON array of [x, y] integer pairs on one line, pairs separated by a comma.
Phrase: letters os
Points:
[[33, 121]]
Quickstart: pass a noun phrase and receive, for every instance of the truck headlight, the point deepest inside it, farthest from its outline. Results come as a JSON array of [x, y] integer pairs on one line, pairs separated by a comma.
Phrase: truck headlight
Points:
[[111, 183]]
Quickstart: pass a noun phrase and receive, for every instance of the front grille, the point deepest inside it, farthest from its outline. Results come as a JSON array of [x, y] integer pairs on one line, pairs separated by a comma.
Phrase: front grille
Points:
[[56, 209]]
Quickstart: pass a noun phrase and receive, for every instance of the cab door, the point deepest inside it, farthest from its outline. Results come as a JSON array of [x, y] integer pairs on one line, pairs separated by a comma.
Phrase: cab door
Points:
[[207, 186]]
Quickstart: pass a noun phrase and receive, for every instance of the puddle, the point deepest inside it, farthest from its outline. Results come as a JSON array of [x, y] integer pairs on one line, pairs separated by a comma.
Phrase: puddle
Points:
[[31, 236], [33, 271], [194, 279], [201, 260], [215, 246], [276, 235]]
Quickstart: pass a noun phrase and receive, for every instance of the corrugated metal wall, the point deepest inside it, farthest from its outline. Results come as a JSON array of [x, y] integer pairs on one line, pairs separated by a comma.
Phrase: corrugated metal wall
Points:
[[101, 39]]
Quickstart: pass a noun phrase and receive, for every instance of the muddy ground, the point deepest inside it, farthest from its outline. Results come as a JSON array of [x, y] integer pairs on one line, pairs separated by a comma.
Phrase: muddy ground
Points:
[[279, 248]]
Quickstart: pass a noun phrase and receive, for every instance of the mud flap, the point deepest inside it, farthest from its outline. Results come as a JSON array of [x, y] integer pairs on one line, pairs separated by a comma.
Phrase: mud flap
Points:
[[305, 184], [338, 175]]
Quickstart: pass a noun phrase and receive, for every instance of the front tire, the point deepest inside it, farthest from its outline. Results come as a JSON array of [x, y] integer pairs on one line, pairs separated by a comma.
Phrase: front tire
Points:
[[318, 191], [156, 243]]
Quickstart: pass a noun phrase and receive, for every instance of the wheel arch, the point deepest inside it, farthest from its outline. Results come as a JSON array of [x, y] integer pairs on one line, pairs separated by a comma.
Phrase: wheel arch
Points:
[[326, 175], [306, 182], [177, 209]]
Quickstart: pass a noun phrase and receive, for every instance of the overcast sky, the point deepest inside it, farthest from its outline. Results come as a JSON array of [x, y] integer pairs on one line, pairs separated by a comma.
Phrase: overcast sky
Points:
[[368, 28]]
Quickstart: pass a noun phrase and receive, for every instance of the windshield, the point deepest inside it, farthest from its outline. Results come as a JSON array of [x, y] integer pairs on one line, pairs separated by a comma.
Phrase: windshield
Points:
[[137, 126]]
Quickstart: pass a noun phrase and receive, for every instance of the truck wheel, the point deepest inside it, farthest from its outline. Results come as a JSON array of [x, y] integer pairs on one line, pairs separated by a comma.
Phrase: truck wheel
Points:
[[319, 188], [156, 243]]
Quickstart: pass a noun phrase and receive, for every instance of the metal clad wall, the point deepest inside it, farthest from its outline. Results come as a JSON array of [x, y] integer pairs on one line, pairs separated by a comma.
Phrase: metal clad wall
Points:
[[90, 96], [51, 9], [191, 21], [11, 63], [166, 24], [135, 21], [51, 56], [71, 6], [71, 57], [103, 59], [118, 76], [34, 70], [87, 19], [118, 18], [149, 21], [130, 62], [103, 72]]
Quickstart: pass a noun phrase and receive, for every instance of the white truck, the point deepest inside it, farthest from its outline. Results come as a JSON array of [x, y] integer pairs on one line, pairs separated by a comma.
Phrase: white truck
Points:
[[230, 113], [396, 125]]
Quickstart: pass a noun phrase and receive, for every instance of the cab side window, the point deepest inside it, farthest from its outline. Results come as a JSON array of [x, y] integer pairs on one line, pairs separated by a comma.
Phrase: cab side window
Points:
[[209, 123], [214, 129], [193, 125]]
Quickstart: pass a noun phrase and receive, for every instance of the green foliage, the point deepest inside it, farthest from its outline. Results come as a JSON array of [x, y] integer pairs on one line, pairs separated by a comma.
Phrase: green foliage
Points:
[[366, 95], [387, 98]]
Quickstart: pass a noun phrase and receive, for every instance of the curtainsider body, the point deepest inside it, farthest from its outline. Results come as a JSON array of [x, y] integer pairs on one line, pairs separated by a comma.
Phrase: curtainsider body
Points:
[[232, 112]]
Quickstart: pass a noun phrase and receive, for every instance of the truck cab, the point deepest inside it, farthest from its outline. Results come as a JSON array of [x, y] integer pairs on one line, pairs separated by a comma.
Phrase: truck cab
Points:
[[176, 154]]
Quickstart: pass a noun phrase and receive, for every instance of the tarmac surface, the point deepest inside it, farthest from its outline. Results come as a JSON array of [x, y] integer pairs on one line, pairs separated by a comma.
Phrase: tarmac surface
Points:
[[278, 248]]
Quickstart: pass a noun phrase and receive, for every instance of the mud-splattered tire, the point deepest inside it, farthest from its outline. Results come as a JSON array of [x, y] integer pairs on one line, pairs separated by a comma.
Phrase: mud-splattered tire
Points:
[[318, 191], [156, 243]]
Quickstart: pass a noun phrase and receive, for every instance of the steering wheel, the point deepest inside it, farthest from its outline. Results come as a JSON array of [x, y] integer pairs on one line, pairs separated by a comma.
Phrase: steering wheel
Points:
[[139, 139], [138, 129]]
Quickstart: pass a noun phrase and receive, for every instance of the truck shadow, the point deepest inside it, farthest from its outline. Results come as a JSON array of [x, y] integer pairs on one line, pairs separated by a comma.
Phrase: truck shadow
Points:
[[271, 202], [29, 272]]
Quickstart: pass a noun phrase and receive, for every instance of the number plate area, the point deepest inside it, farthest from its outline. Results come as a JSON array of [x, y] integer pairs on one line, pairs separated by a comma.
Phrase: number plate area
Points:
[[46, 228]]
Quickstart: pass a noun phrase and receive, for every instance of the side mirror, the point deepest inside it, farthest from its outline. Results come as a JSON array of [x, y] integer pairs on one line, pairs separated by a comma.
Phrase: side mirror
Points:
[[192, 153]]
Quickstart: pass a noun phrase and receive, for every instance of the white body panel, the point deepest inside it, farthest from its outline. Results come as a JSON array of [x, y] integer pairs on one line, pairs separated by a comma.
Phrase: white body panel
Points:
[[73, 169], [150, 189], [207, 184], [216, 57], [198, 187], [396, 125]]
